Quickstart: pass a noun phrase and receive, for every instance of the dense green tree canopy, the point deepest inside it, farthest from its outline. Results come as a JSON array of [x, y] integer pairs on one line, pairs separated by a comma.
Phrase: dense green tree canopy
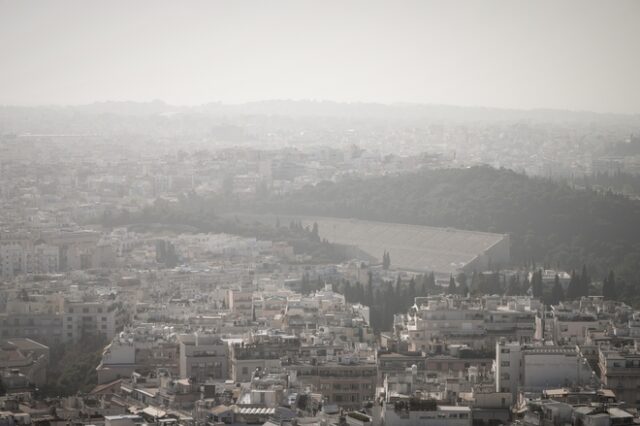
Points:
[[550, 223]]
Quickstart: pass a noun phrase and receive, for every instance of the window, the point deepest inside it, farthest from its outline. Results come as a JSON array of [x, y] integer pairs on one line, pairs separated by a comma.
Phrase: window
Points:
[[85, 310], [245, 370], [505, 364], [99, 310]]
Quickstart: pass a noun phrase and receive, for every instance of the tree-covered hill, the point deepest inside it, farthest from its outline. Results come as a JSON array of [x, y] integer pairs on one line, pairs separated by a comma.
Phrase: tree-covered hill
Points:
[[550, 223]]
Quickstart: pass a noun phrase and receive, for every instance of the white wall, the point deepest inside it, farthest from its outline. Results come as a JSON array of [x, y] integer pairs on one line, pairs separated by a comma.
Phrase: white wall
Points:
[[444, 416], [547, 370], [118, 353]]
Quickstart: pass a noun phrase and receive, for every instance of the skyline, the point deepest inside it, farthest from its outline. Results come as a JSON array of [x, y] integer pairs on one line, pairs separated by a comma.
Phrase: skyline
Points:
[[322, 107], [576, 56]]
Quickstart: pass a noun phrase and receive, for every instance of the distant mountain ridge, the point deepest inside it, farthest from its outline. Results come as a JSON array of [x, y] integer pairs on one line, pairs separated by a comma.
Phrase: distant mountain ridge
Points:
[[303, 108]]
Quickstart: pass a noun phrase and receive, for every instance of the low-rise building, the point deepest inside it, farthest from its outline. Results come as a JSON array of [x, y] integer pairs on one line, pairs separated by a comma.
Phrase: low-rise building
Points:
[[91, 318], [411, 411], [348, 382], [534, 368], [203, 357], [620, 372]]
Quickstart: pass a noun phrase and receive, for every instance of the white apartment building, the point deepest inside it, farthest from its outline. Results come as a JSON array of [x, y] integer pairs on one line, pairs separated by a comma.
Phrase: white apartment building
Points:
[[477, 323], [90, 318], [203, 357], [26, 258], [412, 412], [535, 368], [620, 371]]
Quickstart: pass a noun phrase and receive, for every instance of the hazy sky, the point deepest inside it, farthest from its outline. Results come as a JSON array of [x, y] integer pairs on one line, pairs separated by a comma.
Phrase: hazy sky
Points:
[[580, 54]]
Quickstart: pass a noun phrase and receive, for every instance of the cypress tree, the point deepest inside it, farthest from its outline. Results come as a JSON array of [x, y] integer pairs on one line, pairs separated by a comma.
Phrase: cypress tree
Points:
[[536, 284], [347, 292], [573, 291], [513, 288], [432, 281], [475, 283], [557, 294], [585, 282], [424, 285], [462, 279], [609, 290], [452, 285], [463, 290], [412, 289], [526, 285], [386, 260], [359, 293]]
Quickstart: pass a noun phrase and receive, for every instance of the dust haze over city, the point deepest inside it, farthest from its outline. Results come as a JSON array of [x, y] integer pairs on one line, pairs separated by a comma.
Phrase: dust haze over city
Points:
[[321, 213]]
